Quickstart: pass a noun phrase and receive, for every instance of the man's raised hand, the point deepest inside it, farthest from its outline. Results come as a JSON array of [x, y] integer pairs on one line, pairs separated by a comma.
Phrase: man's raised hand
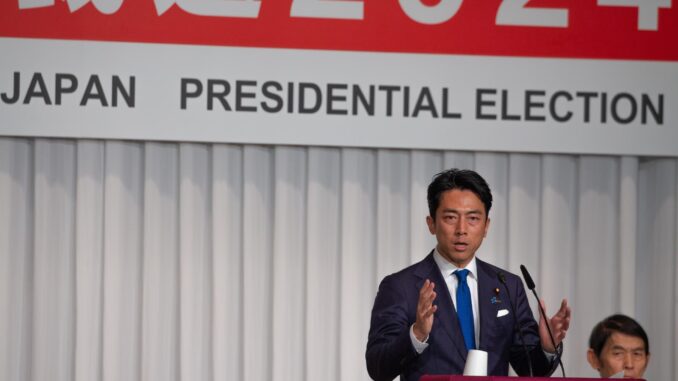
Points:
[[425, 311]]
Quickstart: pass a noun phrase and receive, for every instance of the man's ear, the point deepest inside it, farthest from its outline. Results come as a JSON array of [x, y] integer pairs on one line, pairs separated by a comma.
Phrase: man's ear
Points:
[[431, 224], [487, 227], [593, 359]]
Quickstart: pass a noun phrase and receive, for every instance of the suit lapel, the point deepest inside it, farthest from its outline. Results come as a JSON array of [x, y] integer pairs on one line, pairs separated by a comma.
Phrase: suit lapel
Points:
[[446, 316], [487, 283]]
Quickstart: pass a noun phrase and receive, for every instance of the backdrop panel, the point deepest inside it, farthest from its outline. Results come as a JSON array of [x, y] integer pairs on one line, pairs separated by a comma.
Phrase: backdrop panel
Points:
[[202, 261]]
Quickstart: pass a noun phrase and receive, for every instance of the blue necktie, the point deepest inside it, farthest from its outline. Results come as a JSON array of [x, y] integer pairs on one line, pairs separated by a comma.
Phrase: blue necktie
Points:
[[464, 310]]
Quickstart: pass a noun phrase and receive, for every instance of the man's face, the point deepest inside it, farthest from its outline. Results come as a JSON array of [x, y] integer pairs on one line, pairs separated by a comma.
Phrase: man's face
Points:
[[621, 353], [460, 225]]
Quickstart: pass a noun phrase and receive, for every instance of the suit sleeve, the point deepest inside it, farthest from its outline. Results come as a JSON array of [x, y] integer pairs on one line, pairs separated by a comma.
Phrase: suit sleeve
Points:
[[541, 365], [389, 348]]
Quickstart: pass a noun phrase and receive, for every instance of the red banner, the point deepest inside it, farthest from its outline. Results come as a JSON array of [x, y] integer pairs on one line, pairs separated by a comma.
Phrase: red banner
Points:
[[599, 29]]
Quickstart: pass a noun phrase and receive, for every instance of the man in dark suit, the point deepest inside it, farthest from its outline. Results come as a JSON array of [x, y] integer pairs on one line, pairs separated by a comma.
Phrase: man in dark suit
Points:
[[428, 316]]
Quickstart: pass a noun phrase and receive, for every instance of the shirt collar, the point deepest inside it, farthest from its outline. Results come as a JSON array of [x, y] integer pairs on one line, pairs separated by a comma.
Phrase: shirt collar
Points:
[[447, 268]]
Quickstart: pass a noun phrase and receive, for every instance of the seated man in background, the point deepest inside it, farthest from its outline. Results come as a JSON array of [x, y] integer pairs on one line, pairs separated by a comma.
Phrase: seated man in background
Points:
[[619, 345]]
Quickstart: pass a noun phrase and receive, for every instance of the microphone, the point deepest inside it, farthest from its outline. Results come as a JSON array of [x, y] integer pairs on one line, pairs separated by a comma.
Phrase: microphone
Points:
[[517, 326], [530, 284], [528, 279]]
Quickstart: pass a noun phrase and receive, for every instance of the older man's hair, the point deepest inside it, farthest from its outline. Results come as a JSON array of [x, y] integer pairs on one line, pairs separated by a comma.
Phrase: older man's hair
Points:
[[616, 323]]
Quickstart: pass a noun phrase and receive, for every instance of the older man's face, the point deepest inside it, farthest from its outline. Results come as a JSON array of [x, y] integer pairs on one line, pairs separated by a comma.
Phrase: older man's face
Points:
[[621, 353]]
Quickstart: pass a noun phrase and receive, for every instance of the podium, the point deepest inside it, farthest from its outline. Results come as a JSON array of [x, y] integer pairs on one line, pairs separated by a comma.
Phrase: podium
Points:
[[502, 378]]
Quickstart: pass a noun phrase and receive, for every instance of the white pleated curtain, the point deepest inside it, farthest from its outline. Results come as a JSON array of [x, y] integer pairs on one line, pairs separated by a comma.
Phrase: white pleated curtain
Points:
[[163, 261]]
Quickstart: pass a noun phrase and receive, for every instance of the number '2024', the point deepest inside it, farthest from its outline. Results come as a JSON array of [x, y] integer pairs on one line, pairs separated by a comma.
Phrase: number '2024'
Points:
[[510, 12]]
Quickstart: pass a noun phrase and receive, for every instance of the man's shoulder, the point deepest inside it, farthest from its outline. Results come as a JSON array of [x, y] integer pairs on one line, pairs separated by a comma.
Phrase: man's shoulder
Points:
[[494, 271], [418, 269]]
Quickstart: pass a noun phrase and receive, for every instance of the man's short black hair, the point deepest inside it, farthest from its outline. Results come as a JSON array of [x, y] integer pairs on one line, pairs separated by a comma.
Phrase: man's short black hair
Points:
[[616, 323], [463, 179]]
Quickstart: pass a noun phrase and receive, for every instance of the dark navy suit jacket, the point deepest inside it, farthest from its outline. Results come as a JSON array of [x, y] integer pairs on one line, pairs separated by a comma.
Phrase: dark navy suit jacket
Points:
[[389, 349]]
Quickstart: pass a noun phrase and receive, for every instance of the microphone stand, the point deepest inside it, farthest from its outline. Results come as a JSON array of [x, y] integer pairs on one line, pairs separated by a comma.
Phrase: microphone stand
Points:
[[532, 287]]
